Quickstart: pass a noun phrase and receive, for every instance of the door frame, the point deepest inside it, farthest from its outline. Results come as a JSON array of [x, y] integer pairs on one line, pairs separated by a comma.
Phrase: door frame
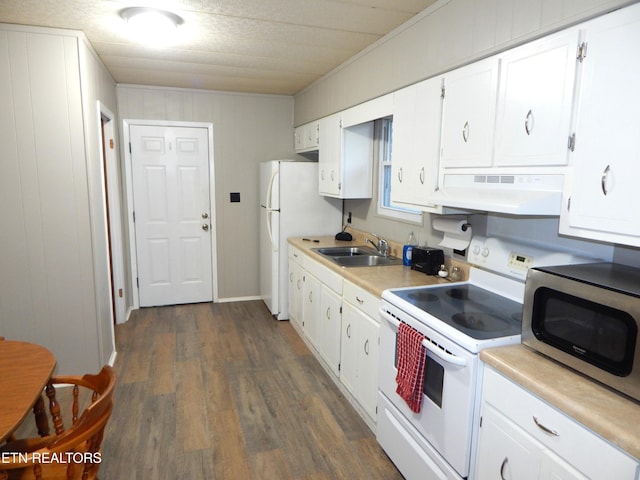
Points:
[[111, 177], [133, 254]]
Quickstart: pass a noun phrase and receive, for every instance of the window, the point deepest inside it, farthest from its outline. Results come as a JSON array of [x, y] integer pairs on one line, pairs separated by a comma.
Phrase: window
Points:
[[385, 156]]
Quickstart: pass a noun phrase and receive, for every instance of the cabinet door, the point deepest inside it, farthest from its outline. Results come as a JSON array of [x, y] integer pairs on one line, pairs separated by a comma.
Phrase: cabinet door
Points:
[[295, 292], [468, 119], [535, 101], [329, 326], [606, 163], [349, 348], [311, 308], [416, 142], [504, 450], [368, 333], [329, 157]]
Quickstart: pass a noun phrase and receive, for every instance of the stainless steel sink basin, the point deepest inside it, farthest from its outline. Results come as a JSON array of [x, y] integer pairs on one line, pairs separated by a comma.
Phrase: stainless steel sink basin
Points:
[[345, 251], [358, 256], [367, 261]]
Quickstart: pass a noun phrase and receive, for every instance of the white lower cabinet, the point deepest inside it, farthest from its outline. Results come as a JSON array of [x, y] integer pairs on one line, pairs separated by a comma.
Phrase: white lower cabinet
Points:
[[296, 272], [322, 305], [522, 437], [338, 321], [359, 359]]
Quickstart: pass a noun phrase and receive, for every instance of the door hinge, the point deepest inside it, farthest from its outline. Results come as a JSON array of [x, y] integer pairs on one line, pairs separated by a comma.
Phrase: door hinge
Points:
[[134, 217], [569, 204], [442, 91], [129, 147], [340, 309], [137, 282], [572, 142], [480, 422], [111, 143], [582, 52]]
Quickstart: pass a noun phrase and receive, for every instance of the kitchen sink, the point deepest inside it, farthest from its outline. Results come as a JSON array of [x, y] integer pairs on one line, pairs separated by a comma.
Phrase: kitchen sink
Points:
[[358, 256], [345, 251]]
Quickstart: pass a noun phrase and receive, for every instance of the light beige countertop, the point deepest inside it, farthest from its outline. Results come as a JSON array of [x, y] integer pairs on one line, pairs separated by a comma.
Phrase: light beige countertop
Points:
[[373, 279], [607, 413]]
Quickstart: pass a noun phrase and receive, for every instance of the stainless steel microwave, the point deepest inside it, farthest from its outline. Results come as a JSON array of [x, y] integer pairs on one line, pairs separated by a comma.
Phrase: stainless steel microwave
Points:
[[587, 317]]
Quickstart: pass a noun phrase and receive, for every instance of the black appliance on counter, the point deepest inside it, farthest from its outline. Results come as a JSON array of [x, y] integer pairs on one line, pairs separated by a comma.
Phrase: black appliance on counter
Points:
[[427, 260]]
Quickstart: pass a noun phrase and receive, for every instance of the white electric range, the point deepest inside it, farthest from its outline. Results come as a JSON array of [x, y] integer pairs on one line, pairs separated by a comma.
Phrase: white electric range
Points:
[[458, 320]]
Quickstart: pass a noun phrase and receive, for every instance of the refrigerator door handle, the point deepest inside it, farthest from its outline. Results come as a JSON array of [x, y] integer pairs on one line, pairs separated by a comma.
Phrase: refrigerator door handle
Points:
[[268, 213], [267, 201]]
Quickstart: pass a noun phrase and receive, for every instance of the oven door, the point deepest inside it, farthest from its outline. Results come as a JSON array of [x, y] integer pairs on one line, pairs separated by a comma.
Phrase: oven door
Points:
[[446, 417]]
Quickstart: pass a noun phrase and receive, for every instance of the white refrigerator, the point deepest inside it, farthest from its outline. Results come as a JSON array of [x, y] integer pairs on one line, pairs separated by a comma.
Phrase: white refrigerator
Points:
[[290, 206]]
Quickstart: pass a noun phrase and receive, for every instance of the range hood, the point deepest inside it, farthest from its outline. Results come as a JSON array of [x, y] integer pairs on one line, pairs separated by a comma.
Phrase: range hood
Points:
[[519, 194]]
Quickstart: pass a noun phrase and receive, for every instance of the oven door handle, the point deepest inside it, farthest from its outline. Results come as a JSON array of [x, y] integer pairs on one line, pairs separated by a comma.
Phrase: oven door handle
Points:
[[438, 352]]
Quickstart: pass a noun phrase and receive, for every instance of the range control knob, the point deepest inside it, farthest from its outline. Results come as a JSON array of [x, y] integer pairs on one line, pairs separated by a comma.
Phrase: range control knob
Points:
[[485, 252], [476, 250]]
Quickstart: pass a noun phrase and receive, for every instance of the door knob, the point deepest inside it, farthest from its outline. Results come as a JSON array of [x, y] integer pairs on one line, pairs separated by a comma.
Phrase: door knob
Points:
[[205, 227], [205, 215]]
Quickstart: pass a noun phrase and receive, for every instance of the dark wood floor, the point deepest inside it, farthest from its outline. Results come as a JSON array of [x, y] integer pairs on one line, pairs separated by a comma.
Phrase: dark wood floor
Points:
[[223, 391]]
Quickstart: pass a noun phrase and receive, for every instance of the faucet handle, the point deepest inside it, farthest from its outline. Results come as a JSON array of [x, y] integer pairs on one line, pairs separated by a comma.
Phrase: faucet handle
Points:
[[383, 247]]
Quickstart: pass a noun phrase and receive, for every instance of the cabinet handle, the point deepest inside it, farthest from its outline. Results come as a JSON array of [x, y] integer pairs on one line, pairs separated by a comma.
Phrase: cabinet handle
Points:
[[322, 174], [299, 286], [310, 297], [465, 132], [422, 176], [291, 277], [528, 123], [359, 300], [544, 427], [603, 180], [400, 175], [349, 331], [366, 347], [332, 175], [502, 467], [328, 313]]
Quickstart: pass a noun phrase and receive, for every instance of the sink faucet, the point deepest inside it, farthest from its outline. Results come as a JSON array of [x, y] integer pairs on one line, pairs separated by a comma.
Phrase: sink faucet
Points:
[[382, 246]]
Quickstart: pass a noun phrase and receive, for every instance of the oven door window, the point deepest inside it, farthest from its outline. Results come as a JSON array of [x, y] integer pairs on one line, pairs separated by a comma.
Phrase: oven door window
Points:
[[433, 378], [596, 333]]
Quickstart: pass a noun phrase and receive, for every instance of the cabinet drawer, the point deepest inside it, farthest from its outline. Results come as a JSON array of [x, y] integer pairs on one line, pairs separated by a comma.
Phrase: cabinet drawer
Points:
[[326, 276], [296, 255], [362, 299], [577, 445]]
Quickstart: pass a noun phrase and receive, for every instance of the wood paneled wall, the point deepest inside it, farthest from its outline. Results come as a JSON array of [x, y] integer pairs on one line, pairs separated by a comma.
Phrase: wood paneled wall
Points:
[[446, 35], [247, 129], [53, 263]]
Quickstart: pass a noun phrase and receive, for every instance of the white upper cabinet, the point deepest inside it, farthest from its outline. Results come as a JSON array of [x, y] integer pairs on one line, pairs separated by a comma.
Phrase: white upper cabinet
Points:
[[469, 114], [307, 137], [535, 98], [330, 154], [345, 159], [417, 119], [602, 201]]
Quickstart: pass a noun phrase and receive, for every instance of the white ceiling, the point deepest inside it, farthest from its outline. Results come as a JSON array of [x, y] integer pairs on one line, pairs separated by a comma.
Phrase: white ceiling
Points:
[[262, 46]]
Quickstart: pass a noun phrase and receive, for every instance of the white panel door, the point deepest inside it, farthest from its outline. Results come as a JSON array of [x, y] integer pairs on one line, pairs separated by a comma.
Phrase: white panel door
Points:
[[170, 168]]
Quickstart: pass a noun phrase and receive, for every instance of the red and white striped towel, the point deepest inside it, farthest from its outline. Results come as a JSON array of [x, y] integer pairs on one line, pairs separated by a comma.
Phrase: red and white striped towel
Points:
[[411, 364]]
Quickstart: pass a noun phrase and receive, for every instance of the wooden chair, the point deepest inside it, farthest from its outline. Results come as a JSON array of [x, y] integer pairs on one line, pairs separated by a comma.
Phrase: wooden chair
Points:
[[72, 453]]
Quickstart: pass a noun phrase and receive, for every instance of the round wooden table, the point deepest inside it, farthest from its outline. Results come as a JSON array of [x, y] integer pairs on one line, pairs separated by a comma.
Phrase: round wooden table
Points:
[[25, 369]]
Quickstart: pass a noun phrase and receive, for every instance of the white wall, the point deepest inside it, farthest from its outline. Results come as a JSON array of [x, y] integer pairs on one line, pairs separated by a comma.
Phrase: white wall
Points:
[[53, 271], [247, 129]]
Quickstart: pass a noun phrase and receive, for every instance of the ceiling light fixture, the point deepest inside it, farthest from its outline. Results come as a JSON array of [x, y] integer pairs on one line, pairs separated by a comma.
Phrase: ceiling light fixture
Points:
[[151, 24]]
